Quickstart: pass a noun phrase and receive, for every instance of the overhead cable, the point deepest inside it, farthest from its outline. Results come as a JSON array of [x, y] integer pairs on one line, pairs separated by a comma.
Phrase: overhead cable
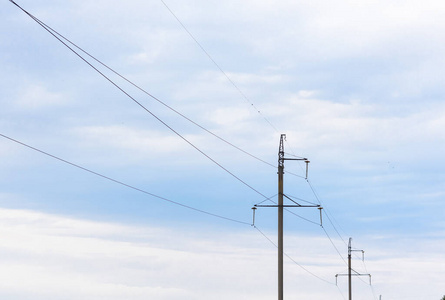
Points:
[[217, 65], [122, 183], [335, 247], [327, 215], [289, 257]]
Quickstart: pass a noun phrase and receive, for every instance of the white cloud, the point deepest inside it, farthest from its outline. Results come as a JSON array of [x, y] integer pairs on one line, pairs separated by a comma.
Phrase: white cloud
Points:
[[51, 256], [37, 96], [357, 128], [127, 138]]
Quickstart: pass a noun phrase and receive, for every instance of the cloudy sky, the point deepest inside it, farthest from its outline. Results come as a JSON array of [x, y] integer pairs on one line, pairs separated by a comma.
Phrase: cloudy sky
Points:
[[109, 191]]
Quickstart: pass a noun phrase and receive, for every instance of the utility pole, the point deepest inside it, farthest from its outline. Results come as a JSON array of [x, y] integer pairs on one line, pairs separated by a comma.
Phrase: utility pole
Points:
[[281, 207], [350, 269], [280, 216]]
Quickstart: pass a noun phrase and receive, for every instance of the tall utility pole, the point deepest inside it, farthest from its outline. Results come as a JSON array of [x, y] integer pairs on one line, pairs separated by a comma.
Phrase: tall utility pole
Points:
[[281, 207], [350, 269], [280, 216]]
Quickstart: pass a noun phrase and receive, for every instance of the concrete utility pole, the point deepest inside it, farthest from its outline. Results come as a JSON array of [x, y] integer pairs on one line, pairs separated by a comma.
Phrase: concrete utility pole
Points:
[[281, 207], [350, 269], [280, 216]]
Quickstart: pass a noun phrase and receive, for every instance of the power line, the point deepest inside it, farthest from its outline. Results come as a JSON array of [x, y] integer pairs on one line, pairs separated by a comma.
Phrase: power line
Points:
[[122, 183], [327, 215], [336, 249], [218, 66], [330, 221], [371, 285], [289, 257], [268, 199], [137, 102], [341, 292]]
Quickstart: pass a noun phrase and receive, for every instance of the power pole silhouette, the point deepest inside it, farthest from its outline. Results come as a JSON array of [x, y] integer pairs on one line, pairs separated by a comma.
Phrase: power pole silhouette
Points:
[[350, 269], [281, 207]]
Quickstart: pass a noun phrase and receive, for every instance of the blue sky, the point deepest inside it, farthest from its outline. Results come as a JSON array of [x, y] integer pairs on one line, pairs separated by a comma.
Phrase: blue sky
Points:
[[356, 87]]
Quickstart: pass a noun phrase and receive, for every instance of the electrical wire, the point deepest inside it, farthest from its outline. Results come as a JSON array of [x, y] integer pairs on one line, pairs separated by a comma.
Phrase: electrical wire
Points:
[[370, 284], [268, 199], [324, 207], [336, 249], [122, 183], [138, 103], [217, 65], [373, 292], [289, 257], [341, 293]]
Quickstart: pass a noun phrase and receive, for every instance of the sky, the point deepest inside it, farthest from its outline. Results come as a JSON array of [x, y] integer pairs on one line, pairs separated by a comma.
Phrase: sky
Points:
[[110, 192]]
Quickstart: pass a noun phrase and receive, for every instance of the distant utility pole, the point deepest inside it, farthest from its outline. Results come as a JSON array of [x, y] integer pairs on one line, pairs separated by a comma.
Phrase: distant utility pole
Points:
[[281, 206], [350, 269]]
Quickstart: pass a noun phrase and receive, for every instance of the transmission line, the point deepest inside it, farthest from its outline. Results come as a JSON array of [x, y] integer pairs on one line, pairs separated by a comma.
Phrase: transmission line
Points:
[[122, 183], [218, 66], [327, 215], [335, 247], [289, 257]]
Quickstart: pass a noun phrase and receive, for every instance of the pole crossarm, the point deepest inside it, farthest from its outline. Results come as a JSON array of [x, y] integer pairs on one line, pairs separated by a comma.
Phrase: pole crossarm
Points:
[[285, 205], [304, 159], [358, 274]]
